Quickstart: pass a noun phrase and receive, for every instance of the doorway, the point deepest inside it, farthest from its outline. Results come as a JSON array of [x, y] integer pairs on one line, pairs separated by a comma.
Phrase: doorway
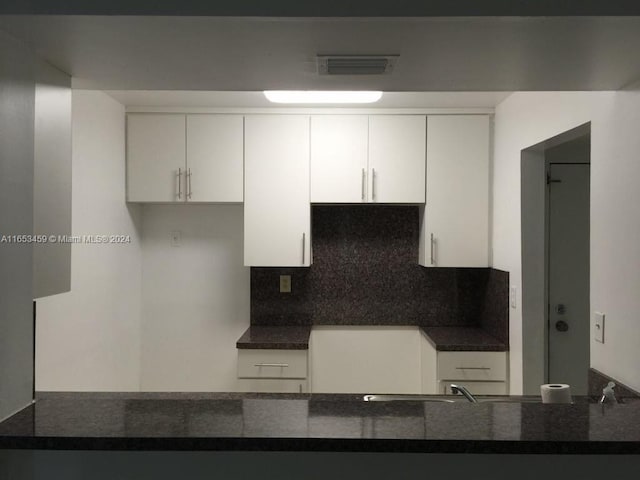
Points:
[[568, 275], [555, 261]]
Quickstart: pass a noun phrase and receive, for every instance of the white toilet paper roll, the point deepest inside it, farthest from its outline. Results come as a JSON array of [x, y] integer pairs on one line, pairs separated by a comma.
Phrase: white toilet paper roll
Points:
[[555, 393]]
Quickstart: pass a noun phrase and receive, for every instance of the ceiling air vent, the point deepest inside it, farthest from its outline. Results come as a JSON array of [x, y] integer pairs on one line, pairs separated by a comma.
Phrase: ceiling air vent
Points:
[[356, 64]]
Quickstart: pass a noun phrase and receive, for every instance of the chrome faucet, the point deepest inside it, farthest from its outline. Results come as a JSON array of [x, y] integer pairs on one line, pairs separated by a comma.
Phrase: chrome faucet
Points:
[[456, 389], [608, 395]]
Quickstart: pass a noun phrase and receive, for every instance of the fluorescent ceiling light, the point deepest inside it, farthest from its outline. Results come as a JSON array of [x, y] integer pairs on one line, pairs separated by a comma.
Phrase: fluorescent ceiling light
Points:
[[312, 96]]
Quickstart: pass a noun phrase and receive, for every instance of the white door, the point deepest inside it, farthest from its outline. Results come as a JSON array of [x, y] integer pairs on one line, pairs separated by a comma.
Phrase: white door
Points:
[[215, 156], [397, 158], [156, 145], [569, 275], [455, 228], [339, 151], [277, 212]]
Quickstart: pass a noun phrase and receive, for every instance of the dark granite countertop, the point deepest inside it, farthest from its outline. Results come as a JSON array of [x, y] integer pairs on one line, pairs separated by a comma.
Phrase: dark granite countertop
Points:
[[310, 422], [282, 337], [442, 338], [463, 339]]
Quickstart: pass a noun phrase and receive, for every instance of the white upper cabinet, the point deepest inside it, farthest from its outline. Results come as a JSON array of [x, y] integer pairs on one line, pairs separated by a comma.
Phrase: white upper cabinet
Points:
[[339, 155], [277, 212], [215, 157], [156, 158], [455, 226], [368, 158], [184, 158], [397, 158]]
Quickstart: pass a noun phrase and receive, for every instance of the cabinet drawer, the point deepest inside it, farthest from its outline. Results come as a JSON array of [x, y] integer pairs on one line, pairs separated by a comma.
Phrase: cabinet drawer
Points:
[[272, 363], [483, 366], [476, 388], [273, 385]]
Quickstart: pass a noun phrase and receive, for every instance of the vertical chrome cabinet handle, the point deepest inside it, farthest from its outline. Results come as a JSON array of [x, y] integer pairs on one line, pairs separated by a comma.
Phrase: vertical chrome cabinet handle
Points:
[[432, 261], [373, 184], [189, 184], [304, 245], [364, 183], [179, 183]]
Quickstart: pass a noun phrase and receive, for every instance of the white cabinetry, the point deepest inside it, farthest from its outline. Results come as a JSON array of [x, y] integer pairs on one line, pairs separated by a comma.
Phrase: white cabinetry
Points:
[[184, 158], [364, 159], [339, 154], [483, 373], [428, 366], [397, 158], [365, 360], [277, 212], [156, 157], [215, 158], [455, 224], [266, 370]]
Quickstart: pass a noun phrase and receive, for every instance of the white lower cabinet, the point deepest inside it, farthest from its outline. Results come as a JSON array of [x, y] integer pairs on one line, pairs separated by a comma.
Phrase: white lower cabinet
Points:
[[365, 359], [369, 360], [267, 370], [483, 373]]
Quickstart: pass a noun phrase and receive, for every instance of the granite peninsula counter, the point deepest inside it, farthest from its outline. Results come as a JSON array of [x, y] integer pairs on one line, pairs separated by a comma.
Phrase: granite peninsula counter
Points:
[[318, 422]]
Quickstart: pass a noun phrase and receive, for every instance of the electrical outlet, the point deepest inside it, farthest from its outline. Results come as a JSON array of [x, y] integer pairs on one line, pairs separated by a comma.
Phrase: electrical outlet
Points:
[[598, 320], [513, 296], [285, 283], [176, 239]]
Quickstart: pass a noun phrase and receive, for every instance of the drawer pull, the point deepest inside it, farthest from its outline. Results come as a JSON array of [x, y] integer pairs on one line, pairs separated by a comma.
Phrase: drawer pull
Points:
[[473, 368], [271, 365]]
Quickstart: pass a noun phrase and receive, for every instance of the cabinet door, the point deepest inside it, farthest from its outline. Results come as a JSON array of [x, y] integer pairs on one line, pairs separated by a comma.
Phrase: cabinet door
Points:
[[339, 150], [155, 156], [215, 156], [397, 158], [365, 359], [277, 214], [455, 228]]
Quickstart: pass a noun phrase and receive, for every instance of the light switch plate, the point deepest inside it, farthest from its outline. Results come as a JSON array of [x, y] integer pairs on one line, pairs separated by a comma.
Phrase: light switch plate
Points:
[[176, 239], [285, 283], [598, 319], [513, 297]]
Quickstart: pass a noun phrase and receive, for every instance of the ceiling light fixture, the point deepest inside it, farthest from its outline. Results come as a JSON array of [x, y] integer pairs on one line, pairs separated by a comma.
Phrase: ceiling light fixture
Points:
[[315, 96]]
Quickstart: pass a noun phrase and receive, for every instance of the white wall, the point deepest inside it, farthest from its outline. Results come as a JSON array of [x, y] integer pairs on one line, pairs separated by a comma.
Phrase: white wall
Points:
[[527, 118], [17, 89], [89, 338], [52, 180], [195, 297]]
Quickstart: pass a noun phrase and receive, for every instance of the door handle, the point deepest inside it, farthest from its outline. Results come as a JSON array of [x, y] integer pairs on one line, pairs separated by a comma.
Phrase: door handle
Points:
[[179, 183], [562, 326], [189, 184], [373, 184], [431, 245], [304, 246]]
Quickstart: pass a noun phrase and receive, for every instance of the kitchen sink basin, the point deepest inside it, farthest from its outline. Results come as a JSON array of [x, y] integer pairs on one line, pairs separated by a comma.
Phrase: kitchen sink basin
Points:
[[413, 398], [450, 398]]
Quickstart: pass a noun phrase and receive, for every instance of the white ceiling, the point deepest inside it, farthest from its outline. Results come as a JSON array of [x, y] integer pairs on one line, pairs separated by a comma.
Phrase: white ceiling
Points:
[[200, 99], [252, 54]]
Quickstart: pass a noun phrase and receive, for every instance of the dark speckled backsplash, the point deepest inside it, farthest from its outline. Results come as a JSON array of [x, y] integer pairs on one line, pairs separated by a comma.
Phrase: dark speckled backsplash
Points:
[[365, 272]]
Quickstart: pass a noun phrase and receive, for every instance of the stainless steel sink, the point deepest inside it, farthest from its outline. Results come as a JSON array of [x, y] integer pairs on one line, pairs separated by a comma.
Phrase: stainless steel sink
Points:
[[414, 398], [449, 399], [510, 399]]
